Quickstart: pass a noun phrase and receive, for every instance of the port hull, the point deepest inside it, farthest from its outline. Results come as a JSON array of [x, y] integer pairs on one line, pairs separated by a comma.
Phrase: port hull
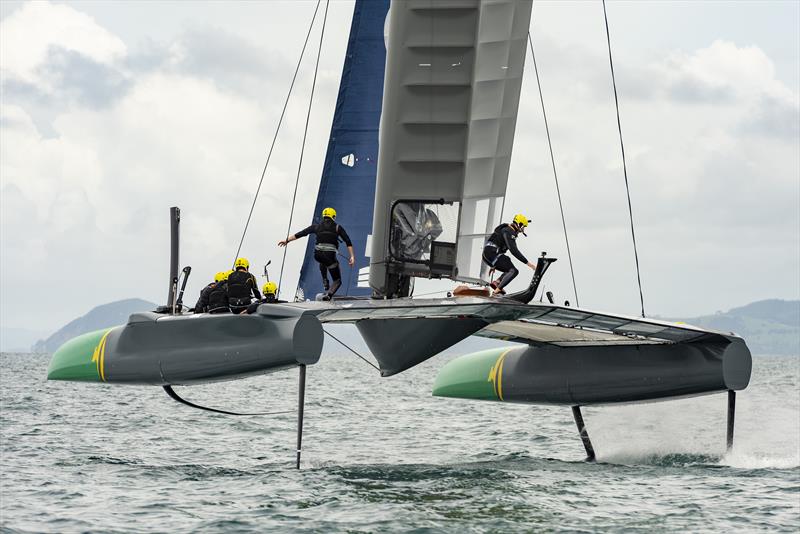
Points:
[[156, 349]]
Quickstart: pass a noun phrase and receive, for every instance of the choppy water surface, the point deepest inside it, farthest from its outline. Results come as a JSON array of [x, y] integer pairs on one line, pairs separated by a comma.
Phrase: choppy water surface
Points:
[[383, 455]]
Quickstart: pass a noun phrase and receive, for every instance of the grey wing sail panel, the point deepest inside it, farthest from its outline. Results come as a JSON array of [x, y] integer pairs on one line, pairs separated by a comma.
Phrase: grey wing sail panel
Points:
[[453, 78]]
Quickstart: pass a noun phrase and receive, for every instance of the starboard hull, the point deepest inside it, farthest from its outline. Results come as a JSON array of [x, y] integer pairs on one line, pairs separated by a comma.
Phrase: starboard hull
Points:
[[596, 375]]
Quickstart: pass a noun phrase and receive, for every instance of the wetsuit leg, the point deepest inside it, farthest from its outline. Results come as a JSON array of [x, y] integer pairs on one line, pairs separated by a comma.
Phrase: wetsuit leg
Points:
[[336, 274], [503, 264], [328, 262], [324, 272]]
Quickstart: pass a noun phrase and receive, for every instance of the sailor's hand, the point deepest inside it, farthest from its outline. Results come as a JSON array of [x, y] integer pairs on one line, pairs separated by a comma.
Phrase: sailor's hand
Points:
[[283, 243], [532, 266], [351, 261]]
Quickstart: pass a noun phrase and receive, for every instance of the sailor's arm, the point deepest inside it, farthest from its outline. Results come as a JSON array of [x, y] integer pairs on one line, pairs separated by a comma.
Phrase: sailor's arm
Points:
[[256, 292], [298, 235], [512, 247], [346, 238]]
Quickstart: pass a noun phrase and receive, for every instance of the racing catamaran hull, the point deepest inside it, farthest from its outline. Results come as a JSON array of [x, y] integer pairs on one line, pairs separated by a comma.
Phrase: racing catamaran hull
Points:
[[157, 349], [584, 376]]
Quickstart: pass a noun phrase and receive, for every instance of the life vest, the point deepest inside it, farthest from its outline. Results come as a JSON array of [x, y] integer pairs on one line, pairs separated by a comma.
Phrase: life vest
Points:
[[327, 235], [218, 297], [496, 239], [240, 286]]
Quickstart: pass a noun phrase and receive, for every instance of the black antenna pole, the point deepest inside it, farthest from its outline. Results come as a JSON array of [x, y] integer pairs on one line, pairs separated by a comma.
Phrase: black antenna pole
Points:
[[174, 251]]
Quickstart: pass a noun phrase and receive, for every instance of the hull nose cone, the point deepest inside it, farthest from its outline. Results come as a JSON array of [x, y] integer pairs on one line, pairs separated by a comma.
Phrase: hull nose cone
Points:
[[474, 376], [80, 359]]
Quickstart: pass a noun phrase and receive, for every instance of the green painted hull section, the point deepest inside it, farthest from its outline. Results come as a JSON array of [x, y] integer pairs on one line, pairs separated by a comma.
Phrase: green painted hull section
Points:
[[470, 376], [74, 359]]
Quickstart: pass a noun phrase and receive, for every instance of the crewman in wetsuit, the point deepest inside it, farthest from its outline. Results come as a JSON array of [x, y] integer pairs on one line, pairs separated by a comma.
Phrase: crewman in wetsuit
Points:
[[326, 249], [202, 302], [218, 295], [502, 240], [270, 291], [242, 286]]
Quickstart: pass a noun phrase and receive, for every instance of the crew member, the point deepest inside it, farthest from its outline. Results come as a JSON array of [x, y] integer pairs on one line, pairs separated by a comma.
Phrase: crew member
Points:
[[502, 240], [326, 249], [270, 291], [242, 286], [202, 302], [218, 295]]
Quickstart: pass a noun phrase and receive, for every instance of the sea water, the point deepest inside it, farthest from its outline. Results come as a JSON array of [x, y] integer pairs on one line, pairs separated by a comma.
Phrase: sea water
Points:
[[381, 454]]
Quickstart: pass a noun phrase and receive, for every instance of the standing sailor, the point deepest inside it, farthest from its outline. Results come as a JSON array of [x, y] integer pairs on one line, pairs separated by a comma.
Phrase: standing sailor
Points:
[[242, 285], [326, 248], [502, 240]]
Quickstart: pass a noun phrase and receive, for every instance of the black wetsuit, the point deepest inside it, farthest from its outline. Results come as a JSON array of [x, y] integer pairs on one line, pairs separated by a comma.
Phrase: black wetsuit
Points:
[[502, 240], [242, 286], [202, 302], [218, 299], [328, 234], [268, 299]]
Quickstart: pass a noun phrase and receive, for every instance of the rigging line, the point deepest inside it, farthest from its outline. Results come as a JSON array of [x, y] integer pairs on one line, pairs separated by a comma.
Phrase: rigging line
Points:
[[303, 145], [277, 130], [555, 174], [624, 165], [351, 350]]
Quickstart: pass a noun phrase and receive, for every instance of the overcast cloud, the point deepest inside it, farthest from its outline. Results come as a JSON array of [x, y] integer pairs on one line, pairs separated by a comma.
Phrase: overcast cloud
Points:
[[110, 116]]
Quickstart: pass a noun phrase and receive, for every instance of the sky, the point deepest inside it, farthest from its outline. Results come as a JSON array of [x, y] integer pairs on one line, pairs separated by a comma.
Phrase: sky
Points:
[[110, 113]]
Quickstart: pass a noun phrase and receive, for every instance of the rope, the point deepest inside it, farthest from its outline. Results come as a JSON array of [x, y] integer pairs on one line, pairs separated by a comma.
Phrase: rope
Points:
[[351, 350], [624, 165], [277, 130], [555, 174], [305, 135]]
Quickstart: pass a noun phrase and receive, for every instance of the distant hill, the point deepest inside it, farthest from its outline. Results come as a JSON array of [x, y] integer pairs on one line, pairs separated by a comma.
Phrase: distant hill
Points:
[[103, 316], [769, 326]]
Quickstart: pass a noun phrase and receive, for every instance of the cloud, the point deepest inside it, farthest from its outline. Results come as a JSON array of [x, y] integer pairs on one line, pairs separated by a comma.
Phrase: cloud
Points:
[[98, 138], [27, 35]]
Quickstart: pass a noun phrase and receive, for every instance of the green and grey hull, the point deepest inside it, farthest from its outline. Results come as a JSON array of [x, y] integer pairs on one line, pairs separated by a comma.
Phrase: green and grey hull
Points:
[[596, 375], [159, 349]]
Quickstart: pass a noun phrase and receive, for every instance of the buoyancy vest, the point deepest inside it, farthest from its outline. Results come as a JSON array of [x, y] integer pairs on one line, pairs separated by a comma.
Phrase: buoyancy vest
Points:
[[328, 233], [240, 287], [218, 297], [497, 240]]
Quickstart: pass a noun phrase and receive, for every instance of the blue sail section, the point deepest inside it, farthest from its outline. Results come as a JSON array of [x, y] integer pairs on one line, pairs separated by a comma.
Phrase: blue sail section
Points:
[[351, 163]]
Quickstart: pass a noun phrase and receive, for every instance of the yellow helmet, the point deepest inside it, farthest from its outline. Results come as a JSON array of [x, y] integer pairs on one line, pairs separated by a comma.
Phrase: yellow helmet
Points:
[[329, 212], [228, 273], [221, 276], [270, 288], [241, 262], [521, 220]]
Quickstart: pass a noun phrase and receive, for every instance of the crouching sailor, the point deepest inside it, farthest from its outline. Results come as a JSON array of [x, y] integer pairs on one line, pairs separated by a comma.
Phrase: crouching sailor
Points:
[[270, 291], [202, 302], [502, 240], [242, 286], [326, 249], [217, 298]]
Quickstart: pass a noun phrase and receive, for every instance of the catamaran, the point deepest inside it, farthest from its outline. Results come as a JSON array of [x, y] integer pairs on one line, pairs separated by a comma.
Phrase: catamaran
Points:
[[440, 99]]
